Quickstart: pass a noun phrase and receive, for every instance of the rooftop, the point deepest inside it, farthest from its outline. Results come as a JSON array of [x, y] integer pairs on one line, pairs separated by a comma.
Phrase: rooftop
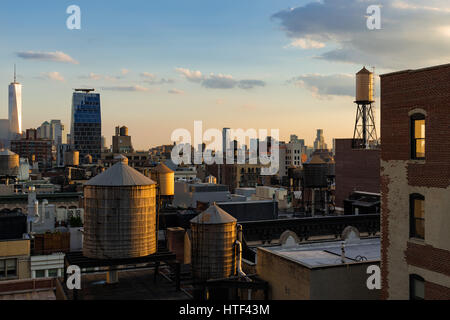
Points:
[[132, 285], [416, 70], [328, 254]]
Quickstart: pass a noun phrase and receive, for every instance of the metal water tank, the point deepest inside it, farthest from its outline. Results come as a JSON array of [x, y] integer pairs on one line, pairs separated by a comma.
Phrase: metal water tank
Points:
[[123, 131], [364, 86], [9, 163], [165, 178], [72, 158], [315, 173], [119, 214], [213, 234]]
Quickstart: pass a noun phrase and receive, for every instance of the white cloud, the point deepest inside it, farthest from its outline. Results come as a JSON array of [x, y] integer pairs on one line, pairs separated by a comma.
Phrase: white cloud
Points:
[[135, 88], [56, 76], [152, 79], [219, 81], [305, 43], [176, 91], [148, 75], [326, 86], [194, 76], [56, 56], [407, 39]]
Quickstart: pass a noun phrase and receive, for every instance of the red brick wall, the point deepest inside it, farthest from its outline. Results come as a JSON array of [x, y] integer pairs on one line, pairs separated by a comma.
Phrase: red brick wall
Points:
[[428, 257], [356, 169], [435, 291], [427, 89]]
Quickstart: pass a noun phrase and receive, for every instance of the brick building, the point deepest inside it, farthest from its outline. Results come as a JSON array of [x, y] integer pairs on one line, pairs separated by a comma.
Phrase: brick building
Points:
[[34, 148], [415, 184], [356, 170]]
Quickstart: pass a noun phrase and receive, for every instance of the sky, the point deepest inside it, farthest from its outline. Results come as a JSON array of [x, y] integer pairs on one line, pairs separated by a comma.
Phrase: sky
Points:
[[262, 64]]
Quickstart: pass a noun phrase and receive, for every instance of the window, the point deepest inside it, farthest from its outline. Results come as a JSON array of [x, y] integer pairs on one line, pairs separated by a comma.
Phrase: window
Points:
[[53, 273], [416, 287], [8, 268], [418, 136], [40, 273], [417, 216]]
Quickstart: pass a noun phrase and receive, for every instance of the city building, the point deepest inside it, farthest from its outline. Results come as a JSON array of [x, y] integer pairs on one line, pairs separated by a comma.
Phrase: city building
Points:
[[319, 271], [14, 249], [295, 150], [43, 131], [86, 124], [357, 169], [34, 149], [319, 143], [4, 133], [236, 175], [187, 194], [415, 184], [15, 108], [121, 141]]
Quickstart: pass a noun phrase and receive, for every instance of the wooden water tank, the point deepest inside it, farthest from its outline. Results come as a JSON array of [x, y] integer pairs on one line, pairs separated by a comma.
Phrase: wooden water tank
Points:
[[119, 214]]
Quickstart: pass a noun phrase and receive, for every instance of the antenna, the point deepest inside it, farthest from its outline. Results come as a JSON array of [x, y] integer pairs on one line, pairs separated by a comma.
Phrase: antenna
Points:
[[14, 73]]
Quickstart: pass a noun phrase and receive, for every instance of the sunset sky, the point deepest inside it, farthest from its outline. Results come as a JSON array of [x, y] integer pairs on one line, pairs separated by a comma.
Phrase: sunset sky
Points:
[[263, 64]]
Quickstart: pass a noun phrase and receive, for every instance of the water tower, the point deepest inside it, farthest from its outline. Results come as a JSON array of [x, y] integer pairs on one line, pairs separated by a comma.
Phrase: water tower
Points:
[[365, 132]]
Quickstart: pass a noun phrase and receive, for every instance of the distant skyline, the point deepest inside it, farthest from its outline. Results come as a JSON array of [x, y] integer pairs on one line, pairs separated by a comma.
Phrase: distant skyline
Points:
[[260, 64]]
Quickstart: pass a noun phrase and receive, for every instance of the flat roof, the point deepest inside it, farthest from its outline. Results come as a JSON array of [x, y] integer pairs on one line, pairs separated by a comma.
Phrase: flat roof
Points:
[[132, 285], [328, 253]]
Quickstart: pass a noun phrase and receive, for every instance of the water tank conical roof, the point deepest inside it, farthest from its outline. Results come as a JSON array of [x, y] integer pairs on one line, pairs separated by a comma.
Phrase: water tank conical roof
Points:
[[162, 168], [364, 71], [120, 174], [316, 159], [214, 215]]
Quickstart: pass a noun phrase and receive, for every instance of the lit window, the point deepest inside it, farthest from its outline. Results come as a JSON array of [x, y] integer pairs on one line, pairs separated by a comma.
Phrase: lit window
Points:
[[418, 136], [417, 216], [416, 287]]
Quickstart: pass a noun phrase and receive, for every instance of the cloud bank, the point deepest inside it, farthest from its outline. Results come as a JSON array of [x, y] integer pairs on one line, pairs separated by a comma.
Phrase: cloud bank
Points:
[[56, 56], [219, 81], [413, 33]]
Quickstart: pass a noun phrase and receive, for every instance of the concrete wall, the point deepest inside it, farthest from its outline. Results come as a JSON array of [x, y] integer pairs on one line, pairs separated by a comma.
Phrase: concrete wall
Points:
[[346, 282], [425, 91], [287, 279]]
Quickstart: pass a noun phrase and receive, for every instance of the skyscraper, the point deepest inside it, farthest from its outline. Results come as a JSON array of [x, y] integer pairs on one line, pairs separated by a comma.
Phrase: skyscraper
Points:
[[15, 108], [320, 144], [86, 123]]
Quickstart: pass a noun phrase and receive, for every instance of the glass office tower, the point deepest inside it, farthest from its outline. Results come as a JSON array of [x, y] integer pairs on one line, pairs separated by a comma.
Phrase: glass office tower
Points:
[[86, 125]]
